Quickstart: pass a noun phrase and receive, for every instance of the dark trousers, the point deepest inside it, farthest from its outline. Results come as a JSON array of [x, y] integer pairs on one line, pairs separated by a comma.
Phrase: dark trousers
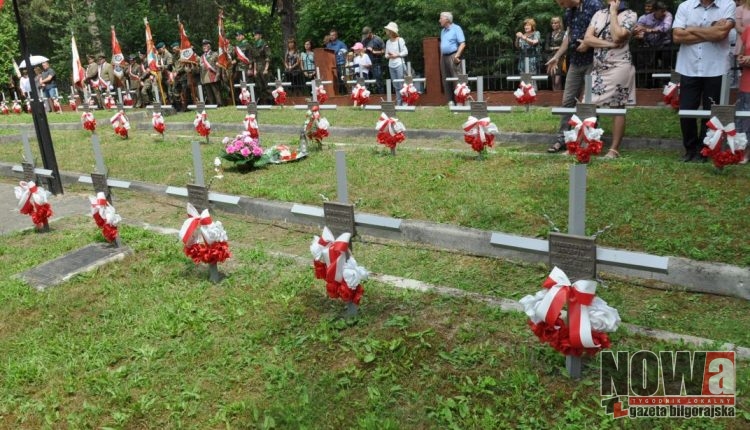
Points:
[[213, 93], [694, 93], [449, 69]]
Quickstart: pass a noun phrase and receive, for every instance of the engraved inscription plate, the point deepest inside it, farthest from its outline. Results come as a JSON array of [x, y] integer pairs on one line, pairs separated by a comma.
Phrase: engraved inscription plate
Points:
[[388, 108], [28, 172], [725, 113], [575, 255], [311, 105], [463, 79], [100, 184], [408, 80], [361, 81], [585, 110], [252, 109], [200, 106], [526, 78], [198, 196], [339, 217], [478, 109], [675, 77]]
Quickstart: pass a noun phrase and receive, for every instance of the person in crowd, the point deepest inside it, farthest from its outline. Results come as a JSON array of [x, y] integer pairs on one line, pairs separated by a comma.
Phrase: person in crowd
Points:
[[240, 57], [395, 52], [25, 84], [552, 44], [528, 46], [742, 18], [701, 28], [743, 97], [164, 62], [308, 60], [210, 75], [48, 82], [339, 49], [374, 48], [147, 87], [452, 45], [578, 15], [362, 62], [134, 79], [293, 65], [654, 29], [613, 74], [261, 63], [349, 67]]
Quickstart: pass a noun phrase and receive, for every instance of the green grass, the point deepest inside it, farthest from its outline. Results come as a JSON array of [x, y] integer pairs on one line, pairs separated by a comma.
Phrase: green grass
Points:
[[267, 349]]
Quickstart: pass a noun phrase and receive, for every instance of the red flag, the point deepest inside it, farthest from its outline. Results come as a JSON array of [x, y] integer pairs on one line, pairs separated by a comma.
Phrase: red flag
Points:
[[117, 56], [79, 74], [150, 49], [187, 55], [224, 60]]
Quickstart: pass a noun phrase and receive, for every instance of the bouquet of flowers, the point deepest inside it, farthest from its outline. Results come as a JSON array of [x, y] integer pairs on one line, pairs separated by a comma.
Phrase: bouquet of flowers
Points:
[[409, 94], [109, 102], [121, 124], [333, 262], [321, 94], [279, 95], [127, 100], [32, 201], [461, 92], [4, 108], [202, 124], [245, 97], [88, 121], [479, 133], [589, 317], [105, 216], [390, 131], [16, 107], [157, 120], [251, 125], [583, 140], [671, 94], [360, 95], [204, 240], [244, 151], [316, 127], [283, 154], [724, 146], [525, 94]]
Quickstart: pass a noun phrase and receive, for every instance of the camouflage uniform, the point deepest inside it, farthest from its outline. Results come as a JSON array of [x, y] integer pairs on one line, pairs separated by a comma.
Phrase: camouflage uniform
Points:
[[260, 62]]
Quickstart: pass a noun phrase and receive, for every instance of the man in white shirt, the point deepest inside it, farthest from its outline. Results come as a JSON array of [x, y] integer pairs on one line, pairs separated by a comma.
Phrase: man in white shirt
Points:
[[701, 28]]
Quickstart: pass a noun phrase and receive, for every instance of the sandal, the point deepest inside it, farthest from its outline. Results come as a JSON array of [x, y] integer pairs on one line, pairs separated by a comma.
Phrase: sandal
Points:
[[612, 154], [556, 147]]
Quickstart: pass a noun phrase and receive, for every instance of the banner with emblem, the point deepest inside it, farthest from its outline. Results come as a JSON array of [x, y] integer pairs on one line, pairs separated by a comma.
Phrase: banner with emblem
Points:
[[187, 55], [117, 56], [150, 49], [225, 60]]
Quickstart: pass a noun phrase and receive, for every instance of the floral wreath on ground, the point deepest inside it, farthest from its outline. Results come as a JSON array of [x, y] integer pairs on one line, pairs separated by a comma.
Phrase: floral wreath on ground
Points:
[[583, 140], [333, 262], [283, 154], [671, 94], [244, 151], [723, 145], [279, 95], [32, 201], [480, 134], [120, 124], [360, 95], [316, 127], [589, 318], [202, 124], [525, 93], [462, 92], [109, 102], [409, 94], [390, 131], [88, 121], [204, 240], [250, 123], [157, 120], [105, 216]]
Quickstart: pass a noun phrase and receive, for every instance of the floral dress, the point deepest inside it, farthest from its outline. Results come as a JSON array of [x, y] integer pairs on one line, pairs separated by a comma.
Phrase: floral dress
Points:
[[529, 51], [613, 74]]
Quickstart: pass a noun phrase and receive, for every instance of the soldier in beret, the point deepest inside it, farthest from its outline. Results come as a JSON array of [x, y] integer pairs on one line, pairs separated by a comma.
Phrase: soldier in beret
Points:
[[261, 62]]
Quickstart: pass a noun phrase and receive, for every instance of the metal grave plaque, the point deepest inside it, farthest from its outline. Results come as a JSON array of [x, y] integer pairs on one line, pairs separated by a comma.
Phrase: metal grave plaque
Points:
[[311, 105], [725, 113], [252, 109], [462, 78], [198, 196], [388, 108], [100, 184], [339, 218], [478, 109], [575, 255], [585, 110], [28, 172]]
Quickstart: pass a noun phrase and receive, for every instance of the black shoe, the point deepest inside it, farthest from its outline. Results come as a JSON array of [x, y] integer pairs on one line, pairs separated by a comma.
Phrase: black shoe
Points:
[[688, 157], [557, 147]]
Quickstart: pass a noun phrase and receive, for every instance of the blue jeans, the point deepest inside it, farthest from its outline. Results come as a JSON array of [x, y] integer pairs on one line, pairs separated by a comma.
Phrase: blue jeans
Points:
[[397, 73], [50, 92]]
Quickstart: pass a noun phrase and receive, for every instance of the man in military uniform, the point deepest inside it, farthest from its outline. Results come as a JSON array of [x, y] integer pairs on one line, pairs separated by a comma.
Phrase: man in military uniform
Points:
[[176, 75], [134, 79], [261, 62], [240, 60], [92, 79], [147, 81], [164, 61], [210, 75]]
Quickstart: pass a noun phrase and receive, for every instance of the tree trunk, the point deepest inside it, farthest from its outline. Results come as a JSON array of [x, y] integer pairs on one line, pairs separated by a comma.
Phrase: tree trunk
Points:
[[288, 14]]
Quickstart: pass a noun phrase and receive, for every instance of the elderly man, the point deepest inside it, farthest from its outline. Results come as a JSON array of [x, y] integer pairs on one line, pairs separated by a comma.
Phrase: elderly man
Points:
[[210, 75], [452, 45], [701, 28]]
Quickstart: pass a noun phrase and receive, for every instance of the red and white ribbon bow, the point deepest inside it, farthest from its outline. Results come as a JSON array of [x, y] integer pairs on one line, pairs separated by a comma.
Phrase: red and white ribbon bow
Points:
[[320, 244], [409, 94], [525, 93], [73, 105], [479, 127], [251, 125], [391, 125], [127, 100], [461, 92], [98, 204], [735, 141], [245, 96], [360, 95], [202, 124], [279, 95], [29, 194], [88, 121], [321, 95], [16, 107], [157, 120], [56, 106], [338, 253], [670, 90], [4, 108], [193, 223], [109, 102], [583, 130], [120, 123]]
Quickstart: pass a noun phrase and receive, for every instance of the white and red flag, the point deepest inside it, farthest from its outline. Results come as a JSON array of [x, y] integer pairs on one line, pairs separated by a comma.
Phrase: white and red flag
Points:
[[79, 74], [224, 60], [117, 56], [150, 49], [187, 55]]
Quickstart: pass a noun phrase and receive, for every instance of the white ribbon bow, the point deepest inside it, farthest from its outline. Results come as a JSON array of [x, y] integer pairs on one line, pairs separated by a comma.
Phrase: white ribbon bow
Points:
[[30, 192], [250, 122], [120, 120], [393, 125], [735, 141], [480, 127]]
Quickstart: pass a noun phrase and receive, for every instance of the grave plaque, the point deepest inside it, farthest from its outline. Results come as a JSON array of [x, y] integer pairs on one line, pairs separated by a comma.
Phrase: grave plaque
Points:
[[479, 109], [100, 184], [585, 110], [462, 78], [675, 77], [361, 81], [311, 105], [725, 113], [339, 217], [28, 172], [526, 78], [408, 80], [575, 255], [252, 109], [388, 108], [198, 196]]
